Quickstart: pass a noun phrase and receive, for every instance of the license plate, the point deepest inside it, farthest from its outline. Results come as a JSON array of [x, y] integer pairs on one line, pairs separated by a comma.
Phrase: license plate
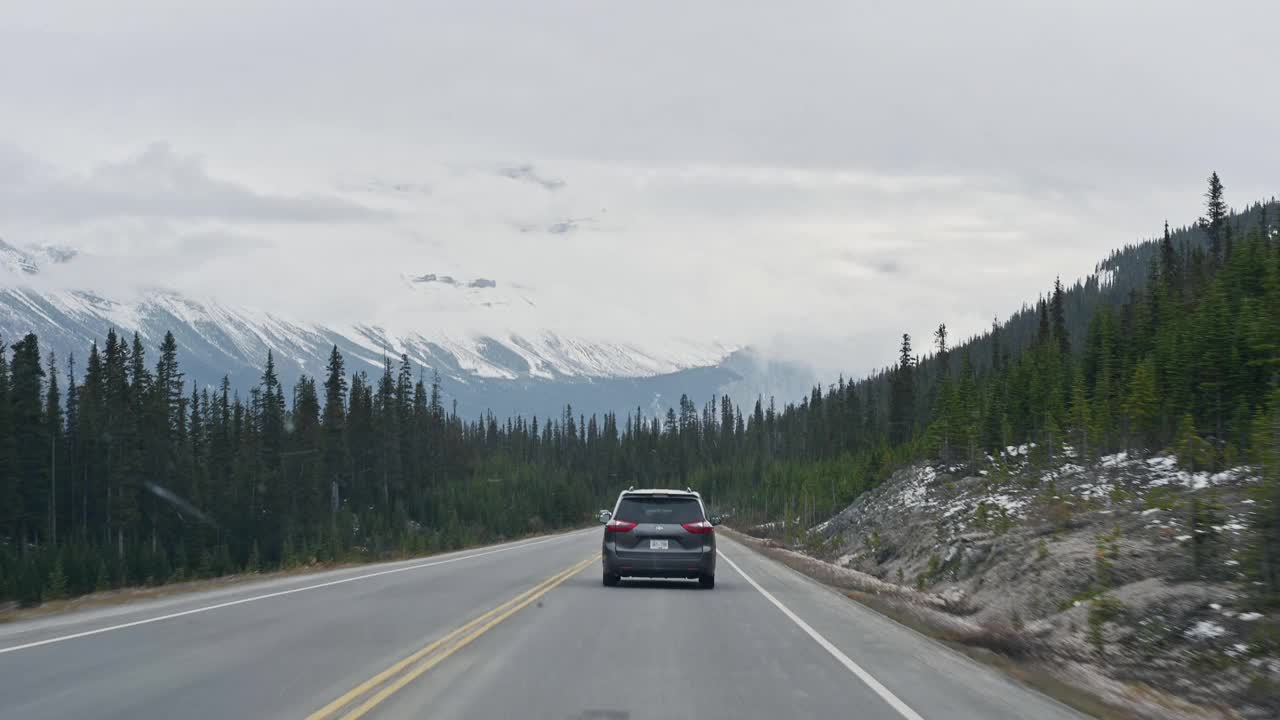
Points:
[[658, 544]]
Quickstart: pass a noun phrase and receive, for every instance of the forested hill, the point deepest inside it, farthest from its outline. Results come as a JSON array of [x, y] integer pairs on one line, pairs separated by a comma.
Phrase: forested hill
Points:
[[125, 474], [1125, 271], [1130, 268]]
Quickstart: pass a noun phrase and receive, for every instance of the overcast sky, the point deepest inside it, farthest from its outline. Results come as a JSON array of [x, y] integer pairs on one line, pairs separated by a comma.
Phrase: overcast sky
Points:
[[810, 177]]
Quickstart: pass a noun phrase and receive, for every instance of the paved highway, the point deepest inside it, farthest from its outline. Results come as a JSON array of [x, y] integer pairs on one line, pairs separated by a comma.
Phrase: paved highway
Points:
[[523, 630]]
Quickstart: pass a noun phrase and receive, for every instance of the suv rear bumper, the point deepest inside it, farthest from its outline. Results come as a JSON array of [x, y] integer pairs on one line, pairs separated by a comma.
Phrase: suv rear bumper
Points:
[[658, 565]]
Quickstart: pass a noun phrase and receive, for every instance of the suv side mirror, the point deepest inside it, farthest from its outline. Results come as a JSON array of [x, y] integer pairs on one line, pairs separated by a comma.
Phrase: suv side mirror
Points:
[[716, 519], [605, 516]]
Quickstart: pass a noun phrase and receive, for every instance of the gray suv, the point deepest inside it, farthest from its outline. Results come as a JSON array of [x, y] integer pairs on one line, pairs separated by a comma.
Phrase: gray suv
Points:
[[659, 534]]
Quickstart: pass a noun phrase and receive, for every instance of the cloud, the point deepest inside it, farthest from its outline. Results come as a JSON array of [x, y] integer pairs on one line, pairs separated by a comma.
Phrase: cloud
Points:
[[380, 186], [887, 265], [827, 267], [527, 173], [154, 183], [851, 183]]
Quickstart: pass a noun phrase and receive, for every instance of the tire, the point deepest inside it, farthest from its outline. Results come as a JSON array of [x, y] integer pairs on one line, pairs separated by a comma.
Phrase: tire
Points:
[[611, 580], [706, 582]]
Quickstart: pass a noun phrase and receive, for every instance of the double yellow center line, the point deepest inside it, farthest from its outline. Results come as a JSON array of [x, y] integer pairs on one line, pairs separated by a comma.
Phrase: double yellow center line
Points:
[[386, 683]]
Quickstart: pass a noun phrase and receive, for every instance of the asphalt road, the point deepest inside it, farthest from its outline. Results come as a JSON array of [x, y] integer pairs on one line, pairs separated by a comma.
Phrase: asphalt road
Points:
[[524, 630]]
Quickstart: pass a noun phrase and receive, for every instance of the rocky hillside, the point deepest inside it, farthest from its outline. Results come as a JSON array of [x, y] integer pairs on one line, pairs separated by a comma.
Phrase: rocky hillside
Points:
[[1131, 568]]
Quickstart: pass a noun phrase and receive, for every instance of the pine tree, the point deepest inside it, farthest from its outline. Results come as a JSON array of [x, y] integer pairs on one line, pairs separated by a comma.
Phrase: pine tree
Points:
[[967, 413], [436, 405], [73, 451], [1264, 565], [164, 425], [1043, 329], [387, 427], [92, 435], [1214, 222], [1206, 538], [121, 405], [997, 359], [31, 440], [404, 396], [902, 400], [1058, 311], [336, 453], [1192, 451], [1170, 272], [941, 432], [276, 494], [1214, 363], [1142, 405], [57, 583], [1082, 419], [305, 469], [53, 419], [10, 494], [993, 416]]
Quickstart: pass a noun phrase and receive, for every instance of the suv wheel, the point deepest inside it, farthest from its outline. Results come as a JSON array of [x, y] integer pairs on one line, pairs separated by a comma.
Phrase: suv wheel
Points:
[[706, 582], [611, 580]]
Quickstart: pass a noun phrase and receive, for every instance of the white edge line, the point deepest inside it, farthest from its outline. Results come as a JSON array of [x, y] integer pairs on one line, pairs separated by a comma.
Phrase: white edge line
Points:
[[243, 601], [885, 694]]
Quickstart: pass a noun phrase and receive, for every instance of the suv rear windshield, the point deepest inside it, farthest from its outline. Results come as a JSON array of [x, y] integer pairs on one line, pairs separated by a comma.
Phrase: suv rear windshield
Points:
[[658, 509]]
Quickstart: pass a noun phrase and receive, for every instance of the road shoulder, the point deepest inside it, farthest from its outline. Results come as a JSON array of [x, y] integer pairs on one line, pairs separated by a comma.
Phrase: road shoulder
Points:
[[994, 651], [933, 677]]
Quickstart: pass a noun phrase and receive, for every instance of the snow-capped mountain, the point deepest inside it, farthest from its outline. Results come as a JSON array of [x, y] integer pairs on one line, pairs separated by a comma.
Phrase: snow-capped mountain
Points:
[[17, 261], [482, 367]]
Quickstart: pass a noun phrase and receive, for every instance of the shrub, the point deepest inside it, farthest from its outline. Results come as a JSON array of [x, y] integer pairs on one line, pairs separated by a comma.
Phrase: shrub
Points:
[[1102, 609], [57, 585], [1059, 514]]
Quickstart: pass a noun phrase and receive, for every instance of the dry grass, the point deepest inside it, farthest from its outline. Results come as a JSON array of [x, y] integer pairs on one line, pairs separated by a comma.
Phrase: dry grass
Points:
[[110, 598], [122, 596]]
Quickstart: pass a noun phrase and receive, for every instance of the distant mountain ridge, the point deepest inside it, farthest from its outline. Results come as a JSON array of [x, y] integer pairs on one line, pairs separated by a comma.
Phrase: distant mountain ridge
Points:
[[506, 372]]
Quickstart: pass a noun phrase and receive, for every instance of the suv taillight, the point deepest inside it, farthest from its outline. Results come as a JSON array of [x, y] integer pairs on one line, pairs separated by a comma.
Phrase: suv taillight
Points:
[[619, 526], [699, 528]]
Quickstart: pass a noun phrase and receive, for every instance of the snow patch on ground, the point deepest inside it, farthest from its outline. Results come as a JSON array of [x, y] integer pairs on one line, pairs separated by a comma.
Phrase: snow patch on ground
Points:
[[916, 492], [1205, 630], [1010, 504]]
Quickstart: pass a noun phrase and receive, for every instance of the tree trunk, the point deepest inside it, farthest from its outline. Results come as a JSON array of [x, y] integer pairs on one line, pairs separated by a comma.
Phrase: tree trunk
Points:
[[53, 491]]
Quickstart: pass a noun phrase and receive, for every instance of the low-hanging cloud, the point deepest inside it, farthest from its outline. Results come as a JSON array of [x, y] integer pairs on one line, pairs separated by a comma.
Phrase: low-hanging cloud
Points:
[[156, 182]]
